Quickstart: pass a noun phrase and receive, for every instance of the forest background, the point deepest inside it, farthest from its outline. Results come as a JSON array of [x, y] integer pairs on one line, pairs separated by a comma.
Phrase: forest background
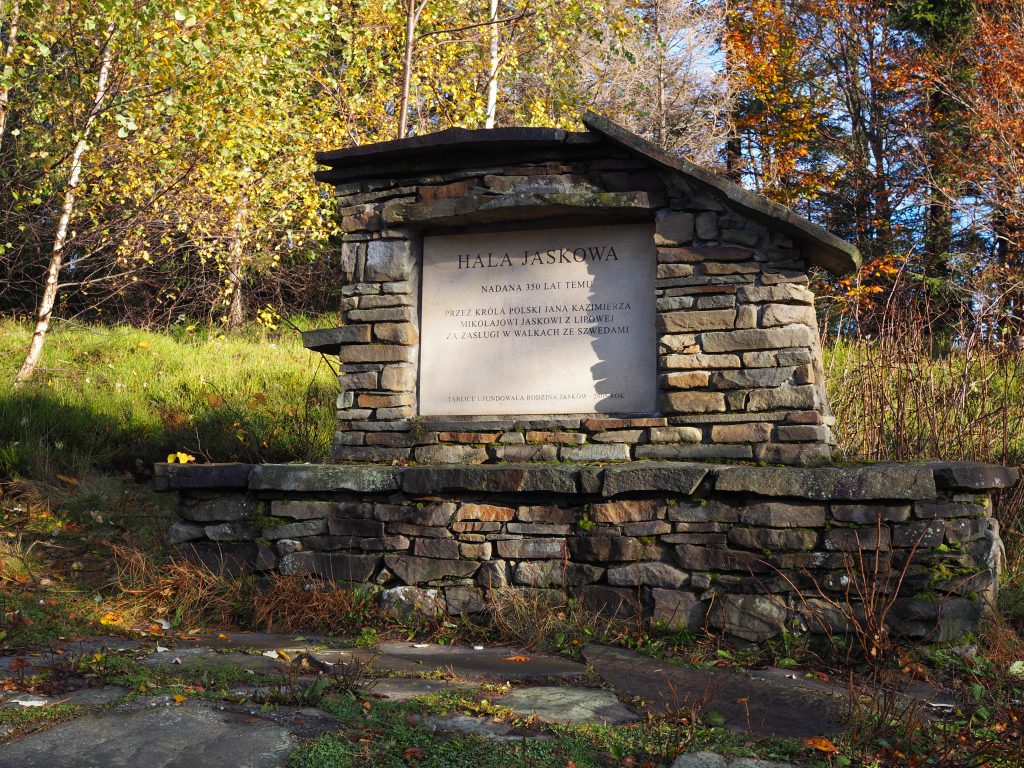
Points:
[[156, 163]]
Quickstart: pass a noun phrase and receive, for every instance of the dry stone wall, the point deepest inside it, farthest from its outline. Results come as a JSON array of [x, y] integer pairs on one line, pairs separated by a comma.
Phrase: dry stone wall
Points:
[[739, 373], [749, 551]]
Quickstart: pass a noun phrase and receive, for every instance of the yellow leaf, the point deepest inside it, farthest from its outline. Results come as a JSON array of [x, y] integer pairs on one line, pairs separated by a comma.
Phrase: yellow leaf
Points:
[[170, 458], [184, 458], [110, 618], [68, 480], [283, 655], [821, 744], [215, 401], [178, 698], [144, 345]]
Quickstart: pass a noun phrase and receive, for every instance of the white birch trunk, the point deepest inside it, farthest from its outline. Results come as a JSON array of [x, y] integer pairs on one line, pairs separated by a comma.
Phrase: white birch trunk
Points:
[[236, 268], [492, 73], [412, 17], [8, 62], [49, 297]]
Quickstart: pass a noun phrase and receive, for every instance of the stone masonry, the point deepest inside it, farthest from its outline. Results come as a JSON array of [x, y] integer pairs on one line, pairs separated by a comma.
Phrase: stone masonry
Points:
[[740, 374], [749, 551]]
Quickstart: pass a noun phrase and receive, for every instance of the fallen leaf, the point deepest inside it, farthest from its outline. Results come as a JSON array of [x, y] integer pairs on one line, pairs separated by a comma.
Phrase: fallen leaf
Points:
[[144, 345], [412, 753], [714, 718], [821, 744], [178, 698], [516, 658], [215, 401], [68, 480]]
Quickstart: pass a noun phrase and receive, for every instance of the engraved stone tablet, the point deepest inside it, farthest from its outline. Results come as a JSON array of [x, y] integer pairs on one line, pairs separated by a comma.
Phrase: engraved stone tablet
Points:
[[539, 322]]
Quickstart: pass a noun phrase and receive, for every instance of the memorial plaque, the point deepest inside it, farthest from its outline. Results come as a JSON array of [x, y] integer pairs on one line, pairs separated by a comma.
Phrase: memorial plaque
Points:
[[539, 322]]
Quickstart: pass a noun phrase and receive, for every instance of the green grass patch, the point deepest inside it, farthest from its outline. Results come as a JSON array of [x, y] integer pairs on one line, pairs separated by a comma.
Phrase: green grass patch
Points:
[[118, 397], [391, 735], [21, 719]]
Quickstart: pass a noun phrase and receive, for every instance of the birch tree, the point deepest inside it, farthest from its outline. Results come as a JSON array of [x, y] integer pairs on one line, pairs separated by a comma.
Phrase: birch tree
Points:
[[60, 236]]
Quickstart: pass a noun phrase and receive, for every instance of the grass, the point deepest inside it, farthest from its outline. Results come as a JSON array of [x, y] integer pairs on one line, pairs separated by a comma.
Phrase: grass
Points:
[[121, 398], [393, 735]]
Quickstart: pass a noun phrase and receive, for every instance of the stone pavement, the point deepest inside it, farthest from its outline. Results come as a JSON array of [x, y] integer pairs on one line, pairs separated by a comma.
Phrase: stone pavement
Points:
[[118, 728]]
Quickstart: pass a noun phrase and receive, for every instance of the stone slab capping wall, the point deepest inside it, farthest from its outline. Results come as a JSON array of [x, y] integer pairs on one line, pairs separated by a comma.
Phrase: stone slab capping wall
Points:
[[738, 365], [746, 550]]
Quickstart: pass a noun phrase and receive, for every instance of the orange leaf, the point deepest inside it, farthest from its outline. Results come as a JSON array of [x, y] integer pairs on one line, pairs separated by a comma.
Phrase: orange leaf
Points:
[[821, 744], [516, 658]]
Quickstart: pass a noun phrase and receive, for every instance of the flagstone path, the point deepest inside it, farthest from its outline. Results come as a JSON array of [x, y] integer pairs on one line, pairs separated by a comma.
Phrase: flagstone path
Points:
[[117, 728]]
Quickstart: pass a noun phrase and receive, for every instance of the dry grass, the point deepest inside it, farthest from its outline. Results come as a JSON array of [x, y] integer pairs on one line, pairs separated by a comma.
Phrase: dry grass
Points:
[[307, 604], [541, 621], [927, 386], [185, 594]]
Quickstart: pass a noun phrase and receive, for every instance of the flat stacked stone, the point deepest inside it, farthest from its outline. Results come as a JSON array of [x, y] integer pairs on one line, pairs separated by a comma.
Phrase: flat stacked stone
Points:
[[747, 550]]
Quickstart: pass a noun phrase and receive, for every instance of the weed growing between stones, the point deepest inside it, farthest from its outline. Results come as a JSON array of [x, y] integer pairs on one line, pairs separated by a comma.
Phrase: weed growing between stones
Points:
[[17, 720], [674, 730], [889, 724], [351, 678]]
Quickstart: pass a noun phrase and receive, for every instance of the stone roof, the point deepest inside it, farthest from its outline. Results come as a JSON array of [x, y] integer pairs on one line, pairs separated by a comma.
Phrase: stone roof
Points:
[[454, 148]]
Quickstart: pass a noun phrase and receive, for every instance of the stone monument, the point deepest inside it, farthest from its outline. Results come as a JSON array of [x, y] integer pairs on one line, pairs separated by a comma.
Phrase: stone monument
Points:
[[532, 294], [546, 338]]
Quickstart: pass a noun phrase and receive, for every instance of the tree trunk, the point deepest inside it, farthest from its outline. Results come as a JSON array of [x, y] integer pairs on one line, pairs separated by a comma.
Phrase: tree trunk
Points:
[[8, 62], [236, 270], [662, 127], [939, 221], [492, 73], [412, 17], [49, 297], [734, 143]]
